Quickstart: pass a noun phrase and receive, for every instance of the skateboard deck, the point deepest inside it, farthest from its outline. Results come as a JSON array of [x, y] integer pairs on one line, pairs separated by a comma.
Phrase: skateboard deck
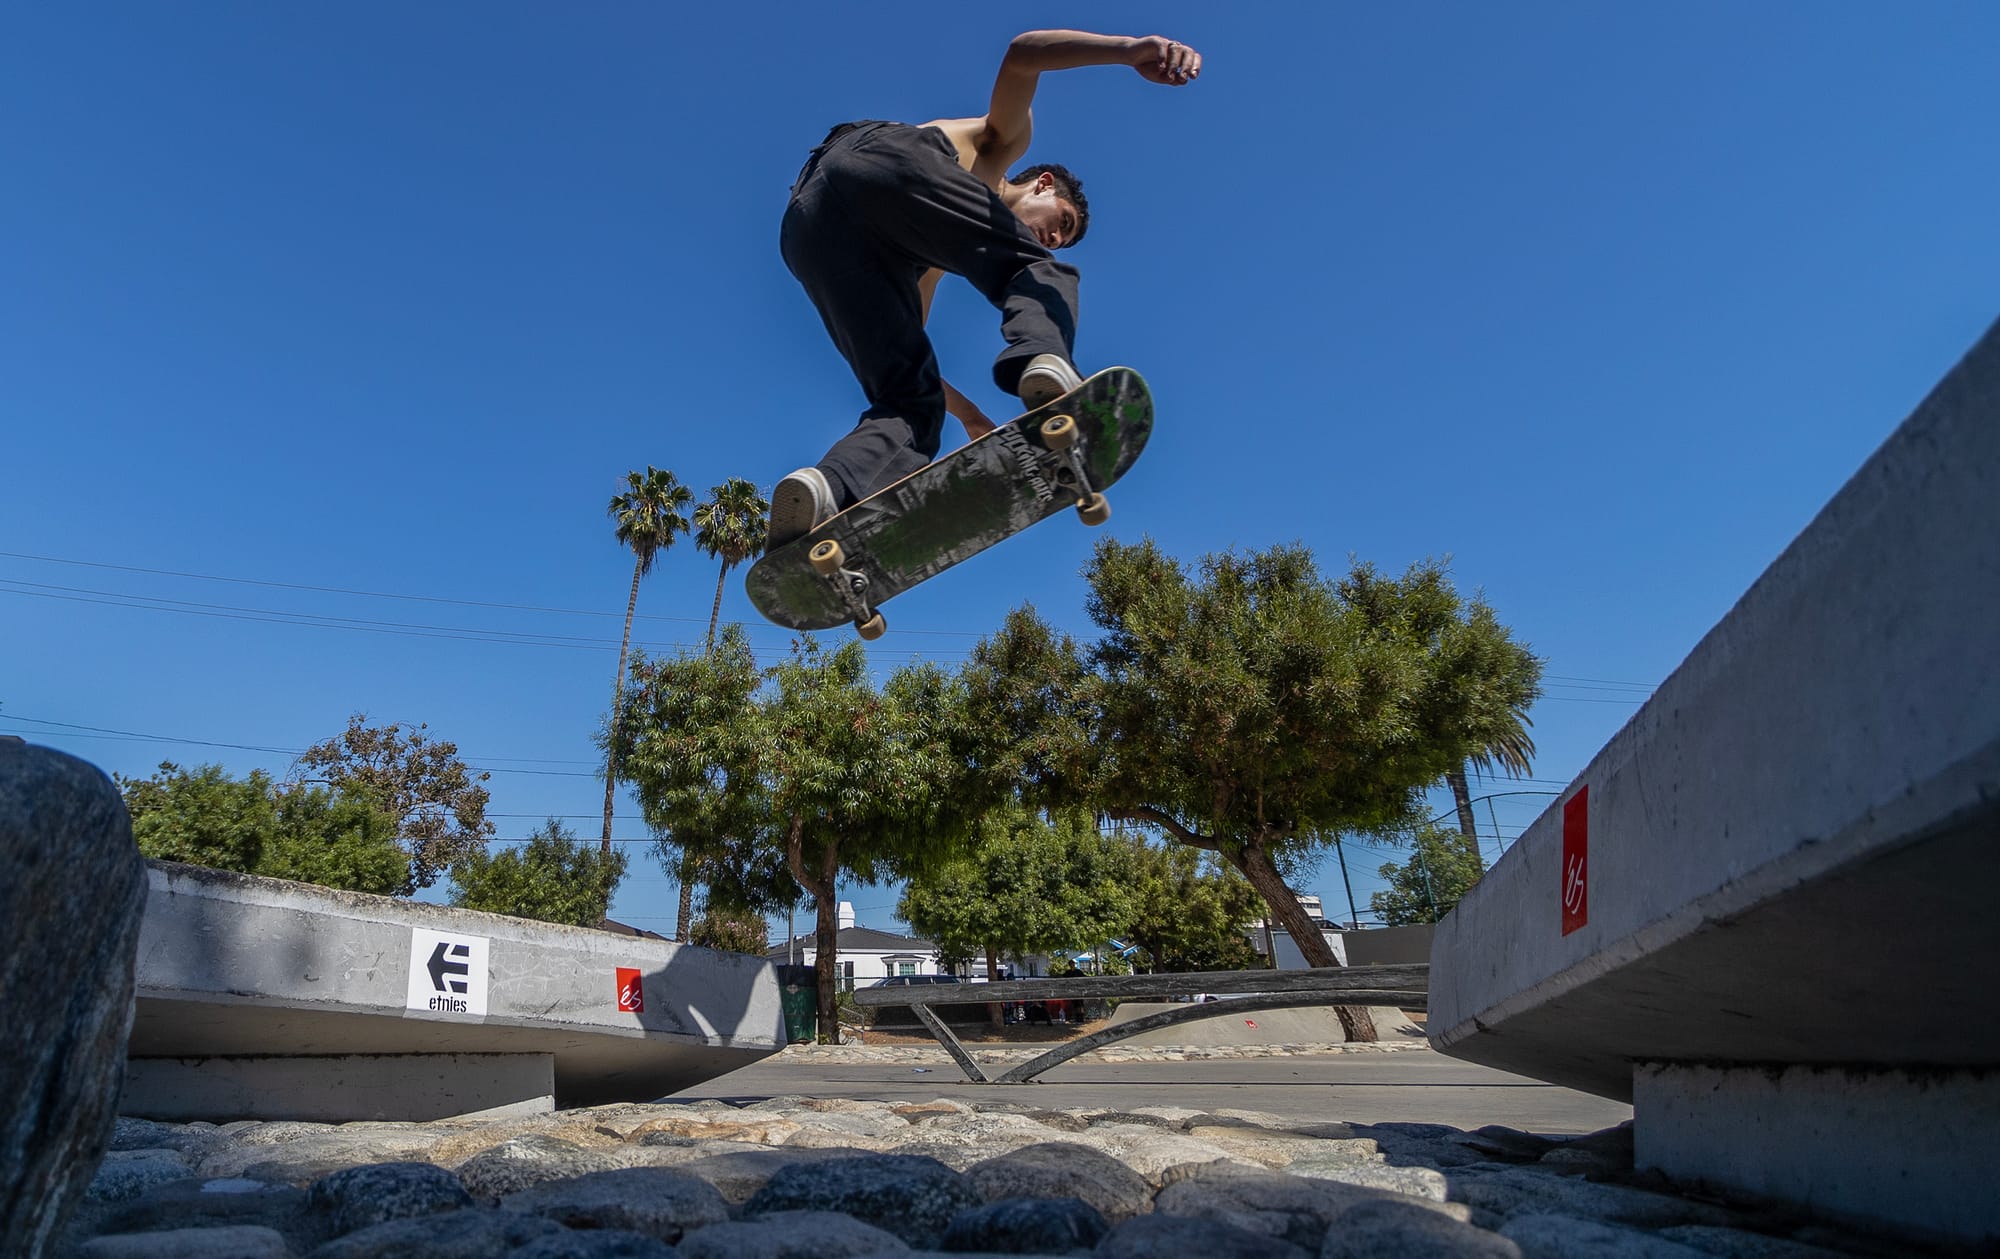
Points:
[[1060, 456]]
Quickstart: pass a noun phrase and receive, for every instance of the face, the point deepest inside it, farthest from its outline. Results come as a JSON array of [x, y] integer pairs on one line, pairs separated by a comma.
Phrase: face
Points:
[[1051, 218]]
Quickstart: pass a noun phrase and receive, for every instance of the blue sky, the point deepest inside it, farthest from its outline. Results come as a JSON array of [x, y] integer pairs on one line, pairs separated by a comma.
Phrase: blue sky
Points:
[[326, 332]]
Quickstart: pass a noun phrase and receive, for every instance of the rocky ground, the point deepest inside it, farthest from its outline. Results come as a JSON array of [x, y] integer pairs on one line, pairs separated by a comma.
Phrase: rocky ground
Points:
[[801, 1177]]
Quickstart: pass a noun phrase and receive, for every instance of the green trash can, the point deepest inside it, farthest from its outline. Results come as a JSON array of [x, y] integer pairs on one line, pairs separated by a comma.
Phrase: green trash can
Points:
[[798, 996]]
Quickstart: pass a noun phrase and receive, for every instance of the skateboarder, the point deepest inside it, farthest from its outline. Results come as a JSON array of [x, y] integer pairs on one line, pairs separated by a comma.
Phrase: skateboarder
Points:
[[882, 210]]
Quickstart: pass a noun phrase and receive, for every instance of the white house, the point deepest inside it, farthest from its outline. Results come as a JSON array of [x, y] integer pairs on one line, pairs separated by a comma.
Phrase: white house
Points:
[[864, 954]]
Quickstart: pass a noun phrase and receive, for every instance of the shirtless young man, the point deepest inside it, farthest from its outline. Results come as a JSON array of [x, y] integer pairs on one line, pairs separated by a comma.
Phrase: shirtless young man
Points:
[[882, 210]]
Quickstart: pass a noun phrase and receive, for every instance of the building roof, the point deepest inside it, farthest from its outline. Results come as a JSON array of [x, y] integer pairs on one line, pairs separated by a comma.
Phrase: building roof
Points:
[[861, 940]]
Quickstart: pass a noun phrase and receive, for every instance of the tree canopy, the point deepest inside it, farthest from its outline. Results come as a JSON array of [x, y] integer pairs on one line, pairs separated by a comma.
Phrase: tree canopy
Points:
[[437, 803], [1252, 708], [806, 769], [1442, 868], [554, 877], [1025, 885], [335, 838]]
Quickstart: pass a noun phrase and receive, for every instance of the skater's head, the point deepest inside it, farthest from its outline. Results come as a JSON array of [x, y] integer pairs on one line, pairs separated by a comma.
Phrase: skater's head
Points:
[[1049, 199]]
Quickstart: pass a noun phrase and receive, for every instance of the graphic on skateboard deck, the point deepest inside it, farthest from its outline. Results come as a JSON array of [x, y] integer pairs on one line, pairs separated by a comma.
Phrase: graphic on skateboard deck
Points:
[[1061, 455]]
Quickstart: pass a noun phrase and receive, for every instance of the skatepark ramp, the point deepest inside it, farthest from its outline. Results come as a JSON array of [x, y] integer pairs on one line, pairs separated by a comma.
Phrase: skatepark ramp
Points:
[[1763, 913], [260, 998]]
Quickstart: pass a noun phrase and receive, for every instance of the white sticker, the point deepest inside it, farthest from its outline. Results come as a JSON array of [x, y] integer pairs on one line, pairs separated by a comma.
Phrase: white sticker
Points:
[[447, 973]]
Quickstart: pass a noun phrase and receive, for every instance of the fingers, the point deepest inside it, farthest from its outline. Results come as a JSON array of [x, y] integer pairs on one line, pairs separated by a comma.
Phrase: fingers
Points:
[[1176, 64]]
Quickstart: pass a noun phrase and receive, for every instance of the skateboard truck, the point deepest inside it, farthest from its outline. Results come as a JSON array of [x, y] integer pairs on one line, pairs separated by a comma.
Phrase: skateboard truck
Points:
[[1059, 435], [829, 561]]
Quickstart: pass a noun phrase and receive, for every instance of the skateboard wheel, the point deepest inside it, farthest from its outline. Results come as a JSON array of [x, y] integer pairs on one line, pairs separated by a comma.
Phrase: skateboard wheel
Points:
[[1093, 510], [872, 628], [826, 557], [1059, 432]]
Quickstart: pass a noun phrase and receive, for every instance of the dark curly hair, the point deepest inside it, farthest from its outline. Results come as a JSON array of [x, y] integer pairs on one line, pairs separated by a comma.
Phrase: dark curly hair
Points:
[[1068, 187]]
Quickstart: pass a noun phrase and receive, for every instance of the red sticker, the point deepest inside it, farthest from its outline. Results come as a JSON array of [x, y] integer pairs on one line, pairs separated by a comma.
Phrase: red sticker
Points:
[[631, 993], [1576, 861], [1251, 1022]]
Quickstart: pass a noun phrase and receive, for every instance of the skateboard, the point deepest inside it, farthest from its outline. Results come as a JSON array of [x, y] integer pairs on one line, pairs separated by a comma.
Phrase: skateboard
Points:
[[1063, 454]]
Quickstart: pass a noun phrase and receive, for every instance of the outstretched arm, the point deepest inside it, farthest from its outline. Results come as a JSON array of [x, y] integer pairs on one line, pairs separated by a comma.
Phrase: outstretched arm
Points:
[[1008, 119]]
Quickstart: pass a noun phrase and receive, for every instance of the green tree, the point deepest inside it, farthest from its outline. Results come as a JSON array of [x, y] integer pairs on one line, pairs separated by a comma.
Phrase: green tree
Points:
[[436, 800], [1441, 869], [802, 776], [202, 816], [334, 838], [1026, 885], [690, 747], [1253, 709], [736, 933], [1189, 910], [554, 877], [649, 516], [864, 784], [731, 527]]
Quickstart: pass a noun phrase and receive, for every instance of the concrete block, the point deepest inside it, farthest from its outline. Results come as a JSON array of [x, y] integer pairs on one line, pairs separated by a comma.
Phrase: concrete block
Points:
[[1785, 857], [1916, 1148], [338, 1088], [235, 967]]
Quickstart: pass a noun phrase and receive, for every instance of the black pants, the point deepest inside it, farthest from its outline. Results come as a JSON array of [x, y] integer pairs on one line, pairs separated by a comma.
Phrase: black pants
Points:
[[877, 205]]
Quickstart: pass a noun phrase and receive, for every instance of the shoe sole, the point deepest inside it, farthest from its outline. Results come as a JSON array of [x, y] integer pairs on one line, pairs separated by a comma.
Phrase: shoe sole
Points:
[[794, 513]]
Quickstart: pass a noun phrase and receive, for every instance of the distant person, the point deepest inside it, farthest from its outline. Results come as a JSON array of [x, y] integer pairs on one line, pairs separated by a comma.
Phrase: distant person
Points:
[[881, 210]]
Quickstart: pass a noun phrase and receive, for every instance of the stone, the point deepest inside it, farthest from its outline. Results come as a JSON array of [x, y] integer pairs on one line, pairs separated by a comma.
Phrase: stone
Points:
[[599, 1243], [125, 1174], [1060, 1169], [1297, 1208], [72, 898], [478, 1233], [1568, 1237], [657, 1201], [1735, 1243], [913, 1197], [1526, 1191], [232, 1241], [362, 1196], [1374, 1229], [1152, 1152], [791, 1235], [1506, 1143], [1028, 1226], [526, 1161], [1151, 1236], [197, 1203], [1414, 1182], [738, 1174]]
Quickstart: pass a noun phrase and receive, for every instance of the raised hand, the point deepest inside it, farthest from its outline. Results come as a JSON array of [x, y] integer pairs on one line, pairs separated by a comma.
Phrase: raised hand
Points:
[[1162, 60]]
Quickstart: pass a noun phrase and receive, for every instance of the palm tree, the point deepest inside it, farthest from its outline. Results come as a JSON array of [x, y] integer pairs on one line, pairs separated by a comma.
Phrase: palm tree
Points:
[[649, 512], [730, 526], [1512, 749]]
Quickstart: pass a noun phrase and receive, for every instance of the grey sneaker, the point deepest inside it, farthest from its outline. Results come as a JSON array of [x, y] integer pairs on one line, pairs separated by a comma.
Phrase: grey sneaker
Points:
[[1046, 378], [802, 502]]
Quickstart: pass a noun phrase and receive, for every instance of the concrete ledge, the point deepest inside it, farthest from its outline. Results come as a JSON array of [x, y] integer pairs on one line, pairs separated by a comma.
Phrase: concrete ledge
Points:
[[1843, 1142], [234, 967], [1785, 858], [340, 1087]]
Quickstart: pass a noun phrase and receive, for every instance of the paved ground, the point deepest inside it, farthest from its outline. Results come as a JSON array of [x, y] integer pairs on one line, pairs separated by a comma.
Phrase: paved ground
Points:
[[1411, 1086]]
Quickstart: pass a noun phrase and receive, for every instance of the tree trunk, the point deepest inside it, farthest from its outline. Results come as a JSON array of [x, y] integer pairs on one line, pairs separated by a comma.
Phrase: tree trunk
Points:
[[715, 613], [826, 925], [684, 918], [995, 1012], [617, 698], [1462, 797], [1255, 865]]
